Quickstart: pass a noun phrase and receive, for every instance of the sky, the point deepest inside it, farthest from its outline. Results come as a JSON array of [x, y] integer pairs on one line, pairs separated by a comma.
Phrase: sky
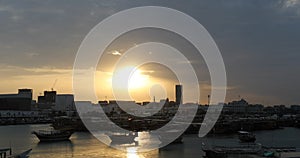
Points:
[[258, 39]]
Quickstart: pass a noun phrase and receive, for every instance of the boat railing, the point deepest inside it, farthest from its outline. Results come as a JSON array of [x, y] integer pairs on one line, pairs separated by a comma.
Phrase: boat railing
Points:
[[49, 132], [281, 149], [252, 147], [5, 152]]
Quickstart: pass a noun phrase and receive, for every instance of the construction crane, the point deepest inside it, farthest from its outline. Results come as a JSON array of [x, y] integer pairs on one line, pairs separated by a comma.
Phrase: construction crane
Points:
[[52, 87]]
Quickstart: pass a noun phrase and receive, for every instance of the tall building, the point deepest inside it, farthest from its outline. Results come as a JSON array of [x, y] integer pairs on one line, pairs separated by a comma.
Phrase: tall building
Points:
[[178, 89]]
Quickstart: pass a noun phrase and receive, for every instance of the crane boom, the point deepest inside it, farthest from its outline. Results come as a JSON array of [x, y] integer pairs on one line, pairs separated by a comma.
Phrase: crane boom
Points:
[[52, 87]]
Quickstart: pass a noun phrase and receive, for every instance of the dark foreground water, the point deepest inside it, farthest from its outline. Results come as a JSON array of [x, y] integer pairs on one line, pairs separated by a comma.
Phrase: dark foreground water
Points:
[[83, 144]]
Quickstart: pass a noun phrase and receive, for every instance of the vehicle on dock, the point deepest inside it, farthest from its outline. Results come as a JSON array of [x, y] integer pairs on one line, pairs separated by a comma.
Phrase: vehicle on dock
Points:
[[53, 135]]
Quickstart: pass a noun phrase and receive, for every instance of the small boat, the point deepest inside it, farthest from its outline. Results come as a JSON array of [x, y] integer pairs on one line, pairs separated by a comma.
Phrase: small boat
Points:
[[123, 138], [7, 153], [53, 135], [225, 151], [245, 136], [246, 150]]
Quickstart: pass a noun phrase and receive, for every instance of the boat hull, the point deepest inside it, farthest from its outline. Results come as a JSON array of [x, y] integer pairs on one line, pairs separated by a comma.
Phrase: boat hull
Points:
[[53, 137]]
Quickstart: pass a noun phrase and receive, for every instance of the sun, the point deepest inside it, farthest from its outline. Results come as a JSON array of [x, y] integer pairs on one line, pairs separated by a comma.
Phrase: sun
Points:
[[137, 80], [131, 76]]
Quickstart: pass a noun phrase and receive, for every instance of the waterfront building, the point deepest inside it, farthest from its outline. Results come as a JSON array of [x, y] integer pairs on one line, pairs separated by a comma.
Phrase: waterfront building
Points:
[[56, 102], [47, 101], [21, 101], [85, 106], [256, 108], [64, 102], [236, 106], [280, 109], [295, 108], [19, 114], [242, 106]]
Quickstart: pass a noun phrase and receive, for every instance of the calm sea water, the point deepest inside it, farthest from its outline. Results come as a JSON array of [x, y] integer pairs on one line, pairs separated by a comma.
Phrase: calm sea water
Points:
[[83, 144]]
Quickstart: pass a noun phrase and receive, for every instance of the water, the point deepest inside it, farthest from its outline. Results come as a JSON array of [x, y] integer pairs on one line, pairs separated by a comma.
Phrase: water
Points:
[[83, 144]]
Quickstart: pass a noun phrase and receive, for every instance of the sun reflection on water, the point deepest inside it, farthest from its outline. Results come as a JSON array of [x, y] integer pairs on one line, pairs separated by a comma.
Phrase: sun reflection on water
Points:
[[132, 153]]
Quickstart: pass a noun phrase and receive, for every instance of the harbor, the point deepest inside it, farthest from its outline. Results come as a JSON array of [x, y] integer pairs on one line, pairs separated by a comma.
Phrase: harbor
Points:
[[242, 130], [83, 144]]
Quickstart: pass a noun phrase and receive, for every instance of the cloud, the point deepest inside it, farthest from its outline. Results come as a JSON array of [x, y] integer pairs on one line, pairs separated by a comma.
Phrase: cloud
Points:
[[292, 7], [115, 52], [6, 8], [258, 39], [291, 3], [8, 71]]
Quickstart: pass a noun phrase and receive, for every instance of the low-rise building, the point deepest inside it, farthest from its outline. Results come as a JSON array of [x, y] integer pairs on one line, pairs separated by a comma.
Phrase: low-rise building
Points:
[[64, 102], [21, 101]]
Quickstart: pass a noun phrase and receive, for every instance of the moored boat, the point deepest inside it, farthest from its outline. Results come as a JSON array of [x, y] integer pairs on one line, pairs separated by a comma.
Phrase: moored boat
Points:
[[250, 150], [53, 135], [245, 136], [224, 151]]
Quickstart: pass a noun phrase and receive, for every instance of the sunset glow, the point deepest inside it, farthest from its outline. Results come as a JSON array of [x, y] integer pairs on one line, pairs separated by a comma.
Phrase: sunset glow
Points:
[[138, 80]]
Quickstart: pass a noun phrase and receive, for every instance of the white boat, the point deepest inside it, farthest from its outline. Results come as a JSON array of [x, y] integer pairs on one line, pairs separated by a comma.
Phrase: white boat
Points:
[[123, 138]]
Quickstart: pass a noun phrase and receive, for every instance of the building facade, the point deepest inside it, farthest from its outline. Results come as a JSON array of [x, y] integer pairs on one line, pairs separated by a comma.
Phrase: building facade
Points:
[[64, 102], [22, 101]]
